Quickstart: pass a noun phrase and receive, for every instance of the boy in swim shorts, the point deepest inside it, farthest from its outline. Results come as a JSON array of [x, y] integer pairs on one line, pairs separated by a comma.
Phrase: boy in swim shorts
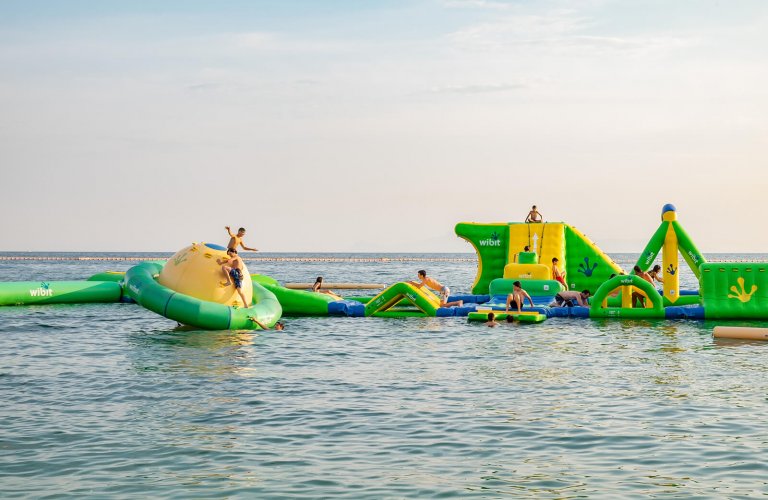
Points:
[[557, 274], [233, 273], [567, 299], [443, 291], [517, 297], [533, 215], [236, 240]]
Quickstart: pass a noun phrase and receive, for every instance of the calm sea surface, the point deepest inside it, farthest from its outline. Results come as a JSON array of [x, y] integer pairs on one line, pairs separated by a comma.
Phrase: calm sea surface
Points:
[[110, 400]]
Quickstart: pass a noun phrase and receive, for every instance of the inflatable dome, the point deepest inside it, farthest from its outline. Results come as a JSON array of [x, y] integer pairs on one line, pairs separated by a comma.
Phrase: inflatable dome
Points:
[[196, 271]]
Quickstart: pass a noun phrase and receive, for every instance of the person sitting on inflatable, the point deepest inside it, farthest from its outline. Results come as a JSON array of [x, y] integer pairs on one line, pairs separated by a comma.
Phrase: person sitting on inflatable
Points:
[[319, 284], [517, 297], [534, 215]]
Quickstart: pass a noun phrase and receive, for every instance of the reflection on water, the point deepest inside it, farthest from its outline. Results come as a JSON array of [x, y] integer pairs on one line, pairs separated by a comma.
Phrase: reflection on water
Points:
[[214, 353]]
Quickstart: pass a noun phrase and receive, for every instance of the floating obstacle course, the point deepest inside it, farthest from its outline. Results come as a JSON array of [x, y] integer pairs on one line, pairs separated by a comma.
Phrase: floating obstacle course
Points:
[[726, 291], [187, 288]]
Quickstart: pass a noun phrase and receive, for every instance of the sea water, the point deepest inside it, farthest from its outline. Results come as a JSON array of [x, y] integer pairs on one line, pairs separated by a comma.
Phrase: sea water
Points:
[[111, 400]]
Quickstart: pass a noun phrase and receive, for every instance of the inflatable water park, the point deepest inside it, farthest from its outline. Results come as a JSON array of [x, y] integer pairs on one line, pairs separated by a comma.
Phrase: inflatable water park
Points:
[[188, 289]]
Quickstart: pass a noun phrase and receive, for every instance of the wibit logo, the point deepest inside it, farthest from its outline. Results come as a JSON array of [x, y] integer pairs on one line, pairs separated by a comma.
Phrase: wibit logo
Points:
[[493, 241], [45, 290], [649, 257], [742, 295], [694, 257]]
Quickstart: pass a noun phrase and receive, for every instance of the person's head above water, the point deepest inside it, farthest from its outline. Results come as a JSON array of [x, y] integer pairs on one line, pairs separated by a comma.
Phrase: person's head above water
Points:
[[279, 326], [422, 273], [491, 316]]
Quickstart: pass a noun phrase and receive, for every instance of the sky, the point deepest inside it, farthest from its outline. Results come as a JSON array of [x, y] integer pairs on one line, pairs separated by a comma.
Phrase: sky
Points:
[[351, 126]]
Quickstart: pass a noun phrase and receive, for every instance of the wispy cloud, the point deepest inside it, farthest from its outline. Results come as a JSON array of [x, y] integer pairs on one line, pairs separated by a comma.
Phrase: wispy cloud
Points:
[[556, 31], [201, 87], [477, 4], [478, 88], [253, 40], [520, 27], [274, 42]]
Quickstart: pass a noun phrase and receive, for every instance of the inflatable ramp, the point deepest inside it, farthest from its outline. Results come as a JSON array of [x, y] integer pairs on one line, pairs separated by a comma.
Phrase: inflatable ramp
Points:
[[421, 302]]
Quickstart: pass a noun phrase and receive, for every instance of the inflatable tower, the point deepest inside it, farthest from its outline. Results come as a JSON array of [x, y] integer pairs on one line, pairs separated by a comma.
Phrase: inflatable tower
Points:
[[501, 253]]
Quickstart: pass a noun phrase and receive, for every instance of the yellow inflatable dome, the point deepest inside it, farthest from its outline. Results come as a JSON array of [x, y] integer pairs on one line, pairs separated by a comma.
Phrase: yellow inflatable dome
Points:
[[196, 271]]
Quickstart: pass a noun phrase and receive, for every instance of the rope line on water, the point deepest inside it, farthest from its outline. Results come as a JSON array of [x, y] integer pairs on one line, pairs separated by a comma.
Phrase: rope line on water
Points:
[[252, 259]]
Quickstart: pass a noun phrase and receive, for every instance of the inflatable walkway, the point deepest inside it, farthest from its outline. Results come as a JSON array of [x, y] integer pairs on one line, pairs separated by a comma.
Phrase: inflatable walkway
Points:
[[307, 303], [23, 293]]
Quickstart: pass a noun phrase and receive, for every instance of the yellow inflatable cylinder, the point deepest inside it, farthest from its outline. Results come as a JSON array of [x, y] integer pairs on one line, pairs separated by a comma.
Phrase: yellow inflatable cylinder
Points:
[[740, 332], [670, 264], [196, 271], [626, 296]]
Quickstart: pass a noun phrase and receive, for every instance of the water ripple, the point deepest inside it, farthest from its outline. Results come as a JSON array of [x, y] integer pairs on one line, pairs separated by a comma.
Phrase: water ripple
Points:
[[111, 400]]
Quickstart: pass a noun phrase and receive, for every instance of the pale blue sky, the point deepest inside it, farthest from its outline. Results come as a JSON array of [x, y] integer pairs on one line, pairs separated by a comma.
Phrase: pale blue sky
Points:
[[376, 126]]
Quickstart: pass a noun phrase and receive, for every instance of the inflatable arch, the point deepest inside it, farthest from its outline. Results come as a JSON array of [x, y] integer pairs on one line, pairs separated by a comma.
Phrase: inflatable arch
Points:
[[627, 283]]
